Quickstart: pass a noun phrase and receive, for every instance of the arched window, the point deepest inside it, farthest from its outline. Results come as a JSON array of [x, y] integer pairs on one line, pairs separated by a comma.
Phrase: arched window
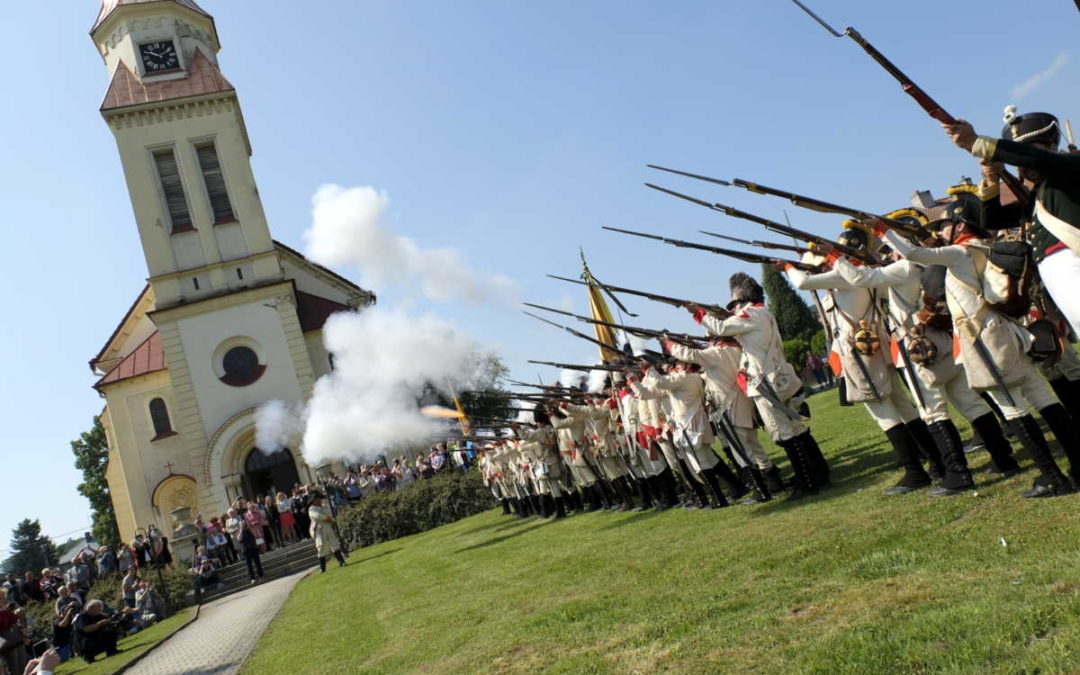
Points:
[[159, 415]]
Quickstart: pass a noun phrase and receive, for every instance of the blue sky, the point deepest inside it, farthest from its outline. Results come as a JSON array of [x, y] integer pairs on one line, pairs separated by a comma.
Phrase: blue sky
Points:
[[509, 130]]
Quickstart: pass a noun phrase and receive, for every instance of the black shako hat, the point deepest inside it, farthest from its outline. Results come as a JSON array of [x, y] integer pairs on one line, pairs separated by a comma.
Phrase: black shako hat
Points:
[[1036, 127]]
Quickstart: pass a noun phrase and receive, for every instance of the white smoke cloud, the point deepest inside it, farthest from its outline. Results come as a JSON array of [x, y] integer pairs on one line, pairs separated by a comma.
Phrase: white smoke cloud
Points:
[[347, 229], [1039, 79], [596, 381], [525, 409], [383, 361], [637, 345], [277, 426], [571, 378]]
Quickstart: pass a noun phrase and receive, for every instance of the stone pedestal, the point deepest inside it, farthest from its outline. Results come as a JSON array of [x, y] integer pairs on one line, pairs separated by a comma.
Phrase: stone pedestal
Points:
[[184, 537]]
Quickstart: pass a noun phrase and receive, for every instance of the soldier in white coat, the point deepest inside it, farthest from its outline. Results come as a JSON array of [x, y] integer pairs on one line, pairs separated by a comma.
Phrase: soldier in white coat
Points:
[[869, 377], [994, 348], [569, 425], [324, 533], [601, 414], [732, 408], [540, 457], [692, 429], [768, 379], [646, 468], [939, 381]]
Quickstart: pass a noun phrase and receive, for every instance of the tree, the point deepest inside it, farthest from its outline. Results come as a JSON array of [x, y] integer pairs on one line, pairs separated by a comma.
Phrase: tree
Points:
[[30, 550], [92, 458], [794, 317]]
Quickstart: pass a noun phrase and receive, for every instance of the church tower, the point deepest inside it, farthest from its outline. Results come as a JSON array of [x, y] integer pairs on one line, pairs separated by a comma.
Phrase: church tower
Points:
[[229, 319], [184, 148]]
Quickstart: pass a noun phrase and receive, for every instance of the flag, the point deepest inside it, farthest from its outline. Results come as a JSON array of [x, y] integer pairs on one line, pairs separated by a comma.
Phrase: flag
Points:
[[599, 311]]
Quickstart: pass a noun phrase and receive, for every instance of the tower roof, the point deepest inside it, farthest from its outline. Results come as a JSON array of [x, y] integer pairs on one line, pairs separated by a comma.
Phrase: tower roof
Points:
[[107, 7], [126, 89]]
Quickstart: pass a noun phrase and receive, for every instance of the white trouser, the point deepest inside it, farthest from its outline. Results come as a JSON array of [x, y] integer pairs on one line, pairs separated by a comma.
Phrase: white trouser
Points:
[[943, 384], [893, 408], [1060, 272], [779, 426], [1029, 392], [751, 447]]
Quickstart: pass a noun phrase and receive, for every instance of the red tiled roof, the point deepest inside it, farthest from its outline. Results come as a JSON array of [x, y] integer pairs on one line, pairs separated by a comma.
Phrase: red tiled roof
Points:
[[202, 78], [314, 311], [107, 7], [149, 357]]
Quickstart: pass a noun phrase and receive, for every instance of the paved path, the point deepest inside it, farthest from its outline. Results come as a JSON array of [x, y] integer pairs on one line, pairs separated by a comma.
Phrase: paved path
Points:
[[221, 639]]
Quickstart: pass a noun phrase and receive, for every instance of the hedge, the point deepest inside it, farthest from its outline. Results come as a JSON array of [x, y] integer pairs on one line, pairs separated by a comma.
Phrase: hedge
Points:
[[421, 506]]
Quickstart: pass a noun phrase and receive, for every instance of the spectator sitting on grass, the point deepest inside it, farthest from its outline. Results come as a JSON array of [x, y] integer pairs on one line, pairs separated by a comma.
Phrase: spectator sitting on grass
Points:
[[149, 604], [14, 659], [77, 593]]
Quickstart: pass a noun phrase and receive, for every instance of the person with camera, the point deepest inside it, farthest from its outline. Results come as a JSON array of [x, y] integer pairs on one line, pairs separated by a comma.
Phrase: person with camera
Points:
[[98, 632], [63, 626]]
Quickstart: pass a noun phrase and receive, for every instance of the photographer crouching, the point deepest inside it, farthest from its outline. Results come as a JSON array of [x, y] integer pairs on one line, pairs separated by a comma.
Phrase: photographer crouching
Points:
[[98, 631]]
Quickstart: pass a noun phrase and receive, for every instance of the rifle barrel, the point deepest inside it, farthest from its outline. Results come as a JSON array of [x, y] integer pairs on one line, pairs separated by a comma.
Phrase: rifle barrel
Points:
[[731, 253], [691, 175], [674, 302]]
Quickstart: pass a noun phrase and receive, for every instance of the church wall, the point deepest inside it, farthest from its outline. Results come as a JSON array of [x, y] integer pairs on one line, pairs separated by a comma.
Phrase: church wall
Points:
[[207, 336], [136, 462]]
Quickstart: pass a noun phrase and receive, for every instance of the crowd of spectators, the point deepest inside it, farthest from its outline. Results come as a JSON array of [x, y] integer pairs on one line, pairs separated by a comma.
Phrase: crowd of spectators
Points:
[[384, 476], [83, 625]]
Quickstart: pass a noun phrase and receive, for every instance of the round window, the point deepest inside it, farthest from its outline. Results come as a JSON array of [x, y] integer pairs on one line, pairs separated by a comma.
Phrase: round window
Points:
[[241, 366]]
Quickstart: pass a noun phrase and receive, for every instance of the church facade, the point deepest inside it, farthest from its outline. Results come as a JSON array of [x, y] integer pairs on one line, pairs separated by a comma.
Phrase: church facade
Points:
[[228, 318]]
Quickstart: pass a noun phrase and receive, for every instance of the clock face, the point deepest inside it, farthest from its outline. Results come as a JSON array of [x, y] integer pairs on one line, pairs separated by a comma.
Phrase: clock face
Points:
[[159, 57]]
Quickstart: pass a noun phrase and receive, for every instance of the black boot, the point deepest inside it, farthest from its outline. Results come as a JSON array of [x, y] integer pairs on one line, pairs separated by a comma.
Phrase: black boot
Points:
[[545, 503], [817, 460], [714, 486], [915, 476], [560, 508], [803, 482], [340, 558], [957, 475], [997, 446], [645, 490], [926, 447], [506, 506], [1050, 482], [667, 485], [1068, 391], [760, 490], [773, 480], [322, 564], [736, 486], [625, 492], [1061, 424]]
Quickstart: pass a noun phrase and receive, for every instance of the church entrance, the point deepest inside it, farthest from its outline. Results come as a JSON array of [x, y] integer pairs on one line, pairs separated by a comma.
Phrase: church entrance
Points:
[[267, 474]]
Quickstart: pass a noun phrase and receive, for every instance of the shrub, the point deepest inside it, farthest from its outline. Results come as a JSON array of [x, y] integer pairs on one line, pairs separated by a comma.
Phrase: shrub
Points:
[[795, 353], [424, 505], [818, 344]]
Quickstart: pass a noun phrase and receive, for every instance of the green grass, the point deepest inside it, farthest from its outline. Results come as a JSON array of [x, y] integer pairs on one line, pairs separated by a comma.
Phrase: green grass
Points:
[[848, 582], [132, 647]]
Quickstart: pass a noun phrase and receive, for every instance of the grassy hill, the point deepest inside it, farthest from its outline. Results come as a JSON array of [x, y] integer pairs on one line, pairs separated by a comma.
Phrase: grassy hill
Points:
[[851, 581]]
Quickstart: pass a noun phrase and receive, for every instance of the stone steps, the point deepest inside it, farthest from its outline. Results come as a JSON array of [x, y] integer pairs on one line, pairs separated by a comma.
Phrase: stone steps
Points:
[[277, 563]]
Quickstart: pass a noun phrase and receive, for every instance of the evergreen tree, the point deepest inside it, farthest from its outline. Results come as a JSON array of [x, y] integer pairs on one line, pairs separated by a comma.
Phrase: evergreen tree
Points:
[[92, 458], [794, 317], [30, 550]]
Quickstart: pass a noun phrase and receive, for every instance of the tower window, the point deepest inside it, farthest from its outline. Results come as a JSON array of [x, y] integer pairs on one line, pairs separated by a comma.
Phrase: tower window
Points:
[[159, 415], [241, 367], [175, 201], [239, 274], [195, 280], [215, 183]]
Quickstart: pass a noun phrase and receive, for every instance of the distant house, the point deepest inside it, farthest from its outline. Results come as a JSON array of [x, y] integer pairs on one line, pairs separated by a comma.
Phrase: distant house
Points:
[[86, 544]]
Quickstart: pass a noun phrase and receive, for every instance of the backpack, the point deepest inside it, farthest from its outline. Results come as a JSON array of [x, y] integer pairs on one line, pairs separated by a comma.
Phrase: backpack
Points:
[[1007, 271]]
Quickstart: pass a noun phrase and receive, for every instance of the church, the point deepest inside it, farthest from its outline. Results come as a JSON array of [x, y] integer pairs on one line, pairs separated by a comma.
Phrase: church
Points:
[[228, 318]]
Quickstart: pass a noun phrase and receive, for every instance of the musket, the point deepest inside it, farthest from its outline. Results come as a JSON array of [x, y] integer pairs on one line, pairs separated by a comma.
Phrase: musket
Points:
[[1069, 132], [674, 302], [771, 225], [932, 107], [610, 367], [760, 244], [691, 175], [578, 334], [635, 330], [910, 231], [738, 255], [496, 420]]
